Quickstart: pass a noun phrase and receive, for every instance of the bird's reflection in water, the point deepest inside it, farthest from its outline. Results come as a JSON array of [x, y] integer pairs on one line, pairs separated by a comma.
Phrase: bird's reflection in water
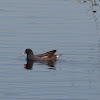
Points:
[[30, 63]]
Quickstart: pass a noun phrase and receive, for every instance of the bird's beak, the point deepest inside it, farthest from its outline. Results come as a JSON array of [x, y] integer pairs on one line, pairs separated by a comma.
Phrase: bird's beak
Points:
[[24, 52]]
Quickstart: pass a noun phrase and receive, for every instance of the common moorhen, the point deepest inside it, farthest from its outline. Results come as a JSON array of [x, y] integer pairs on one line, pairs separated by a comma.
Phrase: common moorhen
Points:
[[48, 56]]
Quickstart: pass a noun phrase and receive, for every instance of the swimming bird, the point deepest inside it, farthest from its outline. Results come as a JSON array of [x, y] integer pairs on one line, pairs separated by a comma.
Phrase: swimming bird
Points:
[[47, 56]]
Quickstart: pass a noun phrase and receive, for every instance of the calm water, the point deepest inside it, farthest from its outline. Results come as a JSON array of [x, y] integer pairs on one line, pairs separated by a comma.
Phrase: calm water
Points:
[[69, 26]]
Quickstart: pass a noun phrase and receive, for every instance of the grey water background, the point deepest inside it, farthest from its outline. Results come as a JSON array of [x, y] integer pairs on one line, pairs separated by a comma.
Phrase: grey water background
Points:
[[71, 27]]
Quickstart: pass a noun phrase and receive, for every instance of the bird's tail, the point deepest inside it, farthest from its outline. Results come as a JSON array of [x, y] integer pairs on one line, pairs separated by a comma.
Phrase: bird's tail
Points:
[[58, 55]]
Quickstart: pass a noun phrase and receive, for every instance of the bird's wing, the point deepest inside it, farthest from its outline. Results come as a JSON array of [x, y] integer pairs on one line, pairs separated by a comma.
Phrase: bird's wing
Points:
[[48, 54]]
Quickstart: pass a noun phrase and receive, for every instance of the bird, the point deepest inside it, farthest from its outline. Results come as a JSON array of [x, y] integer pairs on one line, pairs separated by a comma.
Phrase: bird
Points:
[[47, 56]]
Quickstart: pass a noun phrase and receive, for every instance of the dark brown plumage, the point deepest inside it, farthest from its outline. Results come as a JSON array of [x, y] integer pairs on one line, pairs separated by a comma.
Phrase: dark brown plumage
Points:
[[48, 56]]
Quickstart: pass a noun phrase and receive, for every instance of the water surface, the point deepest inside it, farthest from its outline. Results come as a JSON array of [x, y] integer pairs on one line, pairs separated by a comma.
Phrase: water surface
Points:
[[70, 27]]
